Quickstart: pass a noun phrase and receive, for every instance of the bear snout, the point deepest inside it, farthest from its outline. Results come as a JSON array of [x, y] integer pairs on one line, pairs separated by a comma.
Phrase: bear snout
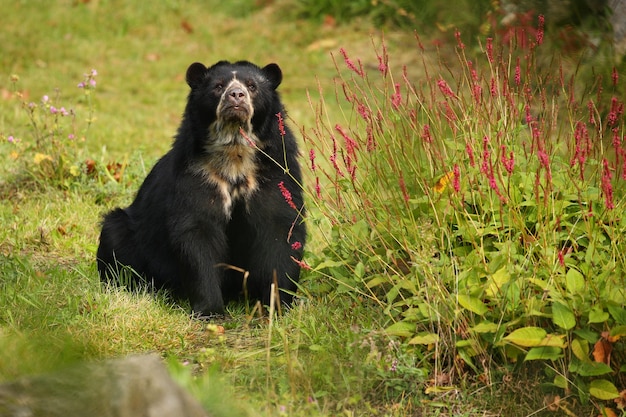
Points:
[[236, 96]]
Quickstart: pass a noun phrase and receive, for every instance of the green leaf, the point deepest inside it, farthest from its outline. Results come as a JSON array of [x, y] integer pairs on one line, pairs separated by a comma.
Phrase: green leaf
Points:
[[485, 327], [500, 278], [424, 339], [472, 304], [603, 389], [401, 328], [618, 313], [589, 368], [328, 264], [574, 281], [561, 382], [554, 340], [580, 349], [598, 315], [544, 353], [563, 316], [376, 281], [359, 270], [527, 336]]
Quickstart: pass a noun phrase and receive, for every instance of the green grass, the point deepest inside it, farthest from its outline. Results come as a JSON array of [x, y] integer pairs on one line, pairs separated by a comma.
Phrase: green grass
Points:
[[330, 354]]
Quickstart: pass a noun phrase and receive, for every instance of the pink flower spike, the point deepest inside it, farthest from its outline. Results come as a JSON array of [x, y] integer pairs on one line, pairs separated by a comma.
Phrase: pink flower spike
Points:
[[382, 66], [318, 188], [350, 64], [456, 180], [607, 187], [460, 43], [490, 49], [426, 136], [445, 88], [539, 34], [312, 158], [396, 98], [296, 246], [470, 154], [281, 125], [287, 195]]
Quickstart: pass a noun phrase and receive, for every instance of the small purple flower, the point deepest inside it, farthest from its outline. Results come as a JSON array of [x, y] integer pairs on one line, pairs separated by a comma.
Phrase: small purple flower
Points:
[[45, 99], [81, 85], [92, 83], [11, 139], [70, 136], [53, 110]]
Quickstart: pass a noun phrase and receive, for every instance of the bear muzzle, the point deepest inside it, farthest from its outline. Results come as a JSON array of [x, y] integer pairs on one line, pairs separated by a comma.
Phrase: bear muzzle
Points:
[[235, 104]]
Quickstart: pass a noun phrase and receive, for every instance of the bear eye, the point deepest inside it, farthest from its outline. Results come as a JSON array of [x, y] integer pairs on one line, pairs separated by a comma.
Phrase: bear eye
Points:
[[218, 86], [251, 86]]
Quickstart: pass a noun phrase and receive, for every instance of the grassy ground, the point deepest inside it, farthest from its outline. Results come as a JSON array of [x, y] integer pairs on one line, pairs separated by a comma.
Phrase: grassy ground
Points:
[[322, 358]]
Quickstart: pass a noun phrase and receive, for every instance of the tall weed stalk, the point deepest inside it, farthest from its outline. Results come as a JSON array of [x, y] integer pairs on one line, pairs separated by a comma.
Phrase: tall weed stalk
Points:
[[480, 205]]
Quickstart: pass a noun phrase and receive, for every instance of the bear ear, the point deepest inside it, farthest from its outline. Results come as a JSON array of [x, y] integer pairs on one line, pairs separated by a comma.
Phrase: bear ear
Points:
[[273, 74], [195, 74]]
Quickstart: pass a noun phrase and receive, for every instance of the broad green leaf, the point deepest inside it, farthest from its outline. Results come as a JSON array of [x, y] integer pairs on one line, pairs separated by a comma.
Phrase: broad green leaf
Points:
[[527, 336], [485, 327], [497, 281], [618, 313], [554, 340], [427, 311], [466, 355], [438, 390], [466, 345], [561, 382], [587, 334], [539, 282], [472, 304], [424, 339], [603, 389], [575, 281], [359, 270], [328, 264], [580, 349], [563, 316], [401, 328], [598, 315], [376, 281], [589, 368], [544, 353]]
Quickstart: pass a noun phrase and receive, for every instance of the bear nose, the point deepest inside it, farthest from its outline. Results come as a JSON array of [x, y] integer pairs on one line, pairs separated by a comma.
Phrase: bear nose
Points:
[[236, 95]]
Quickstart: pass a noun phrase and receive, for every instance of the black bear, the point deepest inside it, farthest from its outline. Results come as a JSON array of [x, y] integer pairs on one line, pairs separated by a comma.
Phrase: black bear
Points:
[[222, 212]]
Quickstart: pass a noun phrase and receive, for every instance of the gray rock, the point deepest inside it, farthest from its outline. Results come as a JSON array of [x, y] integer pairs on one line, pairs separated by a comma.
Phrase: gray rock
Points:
[[136, 386]]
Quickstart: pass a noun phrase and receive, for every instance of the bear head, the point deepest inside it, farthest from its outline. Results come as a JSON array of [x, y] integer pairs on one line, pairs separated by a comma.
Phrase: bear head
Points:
[[233, 97]]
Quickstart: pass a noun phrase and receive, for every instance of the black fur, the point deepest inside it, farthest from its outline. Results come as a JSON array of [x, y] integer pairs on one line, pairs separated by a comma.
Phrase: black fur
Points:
[[213, 202]]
